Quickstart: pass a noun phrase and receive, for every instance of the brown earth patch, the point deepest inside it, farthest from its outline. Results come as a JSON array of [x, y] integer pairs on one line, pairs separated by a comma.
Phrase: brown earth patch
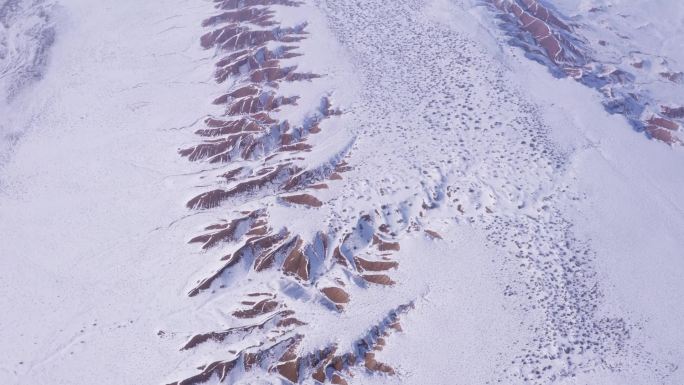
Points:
[[366, 265], [336, 295], [260, 308], [379, 279], [665, 123]]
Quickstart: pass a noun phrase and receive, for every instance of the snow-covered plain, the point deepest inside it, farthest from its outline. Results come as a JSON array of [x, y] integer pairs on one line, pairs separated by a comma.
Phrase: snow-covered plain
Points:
[[275, 192]]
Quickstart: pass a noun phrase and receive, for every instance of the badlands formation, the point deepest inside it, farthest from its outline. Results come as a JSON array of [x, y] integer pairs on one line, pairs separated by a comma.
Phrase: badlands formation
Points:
[[341, 192]]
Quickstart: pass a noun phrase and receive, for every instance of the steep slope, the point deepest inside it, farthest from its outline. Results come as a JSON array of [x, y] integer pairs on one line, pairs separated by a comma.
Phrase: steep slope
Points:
[[607, 46]]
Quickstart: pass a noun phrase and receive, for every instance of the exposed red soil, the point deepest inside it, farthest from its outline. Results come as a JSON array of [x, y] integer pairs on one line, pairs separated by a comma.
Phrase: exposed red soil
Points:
[[337, 380], [228, 232], [296, 147], [260, 308], [675, 77], [303, 199], [336, 295], [214, 198], [254, 51], [673, 112], [563, 46], [385, 246], [374, 366], [296, 263], [235, 4], [379, 279], [262, 17], [536, 19], [305, 178], [665, 123], [253, 123], [290, 370], [267, 260], [662, 134], [236, 37], [366, 265], [282, 319], [260, 246], [284, 357]]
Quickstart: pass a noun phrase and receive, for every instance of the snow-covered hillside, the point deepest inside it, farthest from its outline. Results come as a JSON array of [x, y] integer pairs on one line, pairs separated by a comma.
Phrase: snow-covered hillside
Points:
[[319, 191], [630, 51], [26, 35]]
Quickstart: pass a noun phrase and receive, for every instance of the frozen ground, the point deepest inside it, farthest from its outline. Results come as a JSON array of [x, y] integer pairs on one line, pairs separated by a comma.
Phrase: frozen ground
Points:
[[274, 192], [26, 35]]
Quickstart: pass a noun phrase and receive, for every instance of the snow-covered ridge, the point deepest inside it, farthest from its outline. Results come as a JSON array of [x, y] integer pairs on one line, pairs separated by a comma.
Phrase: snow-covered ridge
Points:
[[307, 235], [258, 192], [599, 44], [267, 146]]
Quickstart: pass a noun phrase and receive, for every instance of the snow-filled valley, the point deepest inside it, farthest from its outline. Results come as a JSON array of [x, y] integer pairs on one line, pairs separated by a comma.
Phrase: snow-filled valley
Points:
[[325, 191]]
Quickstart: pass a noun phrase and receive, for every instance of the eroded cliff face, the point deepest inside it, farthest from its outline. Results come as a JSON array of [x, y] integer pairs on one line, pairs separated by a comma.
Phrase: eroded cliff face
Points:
[[309, 216], [596, 46], [261, 157]]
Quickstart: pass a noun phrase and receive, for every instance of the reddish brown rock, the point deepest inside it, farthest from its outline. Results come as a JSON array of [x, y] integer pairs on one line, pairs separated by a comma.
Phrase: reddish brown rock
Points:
[[220, 369], [227, 232], [256, 246], [280, 319], [296, 263], [303, 199], [673, 112], [374, 366], [258, 16], [290, 370], [379, 279], [385, 246], [336, 295], [282, 356], [662, 134], [214, 198], [253, 123], [366, 265], [665, 123], [263, 307], [675, 77]]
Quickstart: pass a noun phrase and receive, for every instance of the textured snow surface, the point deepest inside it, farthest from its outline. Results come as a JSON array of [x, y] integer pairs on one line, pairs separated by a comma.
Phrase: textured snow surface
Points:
[[26, 34], [319, 191]]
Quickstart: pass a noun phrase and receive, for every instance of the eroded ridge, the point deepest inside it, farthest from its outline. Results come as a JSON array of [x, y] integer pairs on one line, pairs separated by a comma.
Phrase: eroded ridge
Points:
[[546, 37], [485, 157], [363, 251], [262, 161], [330, 364], [550, 38]]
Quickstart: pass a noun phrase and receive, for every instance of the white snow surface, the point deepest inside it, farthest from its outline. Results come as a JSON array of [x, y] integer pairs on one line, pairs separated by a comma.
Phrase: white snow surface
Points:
[[562, 228]]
